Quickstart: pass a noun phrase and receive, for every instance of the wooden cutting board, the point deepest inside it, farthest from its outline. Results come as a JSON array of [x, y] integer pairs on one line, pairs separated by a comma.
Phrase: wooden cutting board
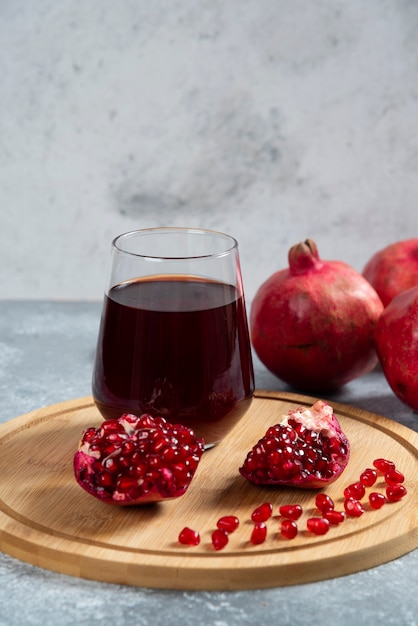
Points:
[[47, 520]]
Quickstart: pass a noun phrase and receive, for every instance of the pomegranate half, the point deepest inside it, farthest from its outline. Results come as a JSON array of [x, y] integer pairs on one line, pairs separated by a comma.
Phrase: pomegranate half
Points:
[[393, 269], [396, 338], [312, 324], [307, 449], [136, 460]]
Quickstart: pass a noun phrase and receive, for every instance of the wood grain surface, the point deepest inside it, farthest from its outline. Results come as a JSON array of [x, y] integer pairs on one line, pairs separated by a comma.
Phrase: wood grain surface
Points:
[[47, 520]]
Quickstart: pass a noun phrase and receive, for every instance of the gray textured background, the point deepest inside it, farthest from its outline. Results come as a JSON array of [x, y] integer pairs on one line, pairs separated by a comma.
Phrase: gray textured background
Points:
[[271, 120]]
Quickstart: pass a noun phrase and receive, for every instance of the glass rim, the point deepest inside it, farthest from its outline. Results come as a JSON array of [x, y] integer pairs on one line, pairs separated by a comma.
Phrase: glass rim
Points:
[[174, 230]]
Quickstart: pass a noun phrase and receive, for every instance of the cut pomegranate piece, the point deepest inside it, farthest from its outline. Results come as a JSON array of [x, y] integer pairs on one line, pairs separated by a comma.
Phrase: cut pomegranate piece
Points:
[[228, 523], [291, 511], [189, 537], [135, 460], [259, 533], [262, 513], [307, 449], [318, 525], [288, 528]]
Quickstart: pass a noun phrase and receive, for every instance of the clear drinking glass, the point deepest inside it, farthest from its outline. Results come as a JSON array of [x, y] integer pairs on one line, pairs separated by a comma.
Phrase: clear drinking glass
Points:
[[173, 338]]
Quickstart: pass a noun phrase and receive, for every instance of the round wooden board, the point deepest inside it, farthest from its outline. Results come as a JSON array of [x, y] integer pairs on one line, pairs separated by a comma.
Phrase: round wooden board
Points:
[[46, 519]]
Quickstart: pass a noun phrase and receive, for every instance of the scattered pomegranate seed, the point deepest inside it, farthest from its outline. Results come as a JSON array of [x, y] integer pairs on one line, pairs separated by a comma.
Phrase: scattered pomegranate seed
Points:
[[334, 517], [368, 477], [291, 511], [394, 477], [356, 491], [353, 507], [376, 500], [262, 513], [289, 528], [317, 525], [189, 537], [323, 502], [219, 539], [259, 533], [394, 493], [228, 523], [383, 465]]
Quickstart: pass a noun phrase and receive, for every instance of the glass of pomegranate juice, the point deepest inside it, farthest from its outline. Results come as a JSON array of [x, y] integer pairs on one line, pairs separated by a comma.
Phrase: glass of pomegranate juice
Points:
[[173, 338]]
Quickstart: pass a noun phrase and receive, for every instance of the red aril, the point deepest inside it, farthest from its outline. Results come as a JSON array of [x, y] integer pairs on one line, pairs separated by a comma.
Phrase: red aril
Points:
[[394, 493], [262, 513], [393, 269], [189, 537], [291, 511], [393, 477], [307, 449], [355, 490], [353, 507], [383, 465], [288, 528], [324, 502], [333, 516], [318, 525], [228, 523], [219, 539], [135, 460], [259, 533], [396, 339], [368, 477], [312, 324], [376, 500]]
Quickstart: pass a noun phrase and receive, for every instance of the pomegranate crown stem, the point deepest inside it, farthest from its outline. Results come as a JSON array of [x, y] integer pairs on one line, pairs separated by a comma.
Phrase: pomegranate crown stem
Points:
[[303, 257]]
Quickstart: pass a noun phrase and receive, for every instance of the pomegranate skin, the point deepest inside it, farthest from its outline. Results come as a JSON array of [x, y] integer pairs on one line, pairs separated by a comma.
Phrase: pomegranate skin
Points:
[[393, 269], [396, 338], [312, 324]]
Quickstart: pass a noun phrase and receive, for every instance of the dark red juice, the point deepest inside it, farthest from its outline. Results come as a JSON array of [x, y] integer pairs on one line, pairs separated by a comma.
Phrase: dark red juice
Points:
[[178, 348]]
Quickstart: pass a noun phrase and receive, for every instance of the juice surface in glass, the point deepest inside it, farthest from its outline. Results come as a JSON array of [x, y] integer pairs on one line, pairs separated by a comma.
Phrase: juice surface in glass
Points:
[[175, 346]]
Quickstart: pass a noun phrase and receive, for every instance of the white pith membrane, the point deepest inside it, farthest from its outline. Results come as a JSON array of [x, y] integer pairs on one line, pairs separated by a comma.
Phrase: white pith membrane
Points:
[[317, 418]]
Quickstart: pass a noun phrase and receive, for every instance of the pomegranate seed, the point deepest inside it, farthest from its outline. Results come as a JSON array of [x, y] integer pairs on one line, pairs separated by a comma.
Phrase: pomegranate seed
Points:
[[368, 477], [353, 507], [219, 539], [323, 502], [228, 523], [356, 491], [259, 533], [189, 537], [291, 511], [334, 517], [288, 528], [394, 493], [383, 465], [262, 512], [376, 500], [317, 525], [394, 477]]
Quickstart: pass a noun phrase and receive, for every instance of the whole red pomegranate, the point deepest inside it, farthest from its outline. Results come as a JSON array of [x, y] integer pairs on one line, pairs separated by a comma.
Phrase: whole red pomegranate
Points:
[[137, 460], [396, 338], [393, 269], [307, 449], [312, 324]]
